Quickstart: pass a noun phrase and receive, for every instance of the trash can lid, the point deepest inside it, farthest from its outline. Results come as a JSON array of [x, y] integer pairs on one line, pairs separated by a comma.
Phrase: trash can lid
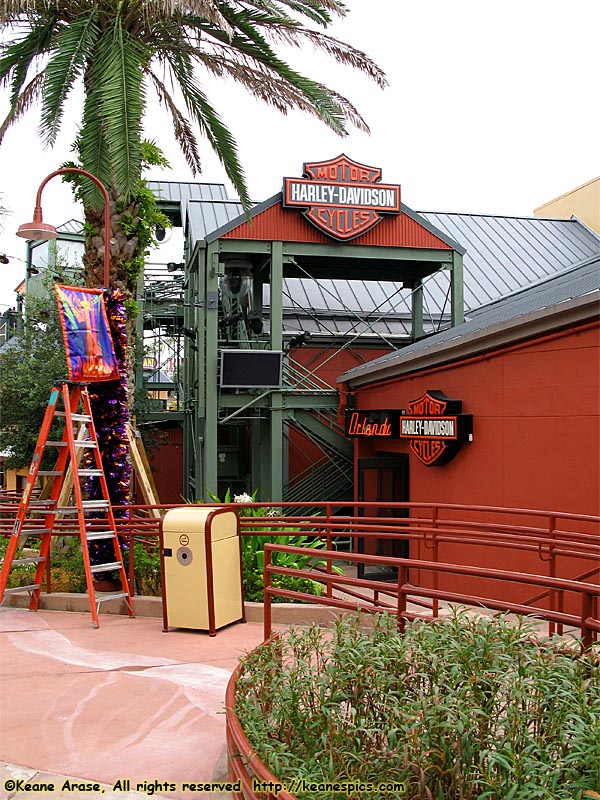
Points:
[[192, 520]]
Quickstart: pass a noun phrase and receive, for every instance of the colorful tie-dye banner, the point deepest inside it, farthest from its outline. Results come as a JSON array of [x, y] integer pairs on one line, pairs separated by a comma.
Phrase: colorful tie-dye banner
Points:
[[89, 345]]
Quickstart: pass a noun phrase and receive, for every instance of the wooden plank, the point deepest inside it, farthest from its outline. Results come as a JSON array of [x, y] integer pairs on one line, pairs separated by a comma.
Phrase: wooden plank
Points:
[[142, 470]]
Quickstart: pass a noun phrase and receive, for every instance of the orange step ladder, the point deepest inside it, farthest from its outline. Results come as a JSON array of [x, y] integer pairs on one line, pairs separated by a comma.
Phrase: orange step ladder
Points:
[[95, 520]]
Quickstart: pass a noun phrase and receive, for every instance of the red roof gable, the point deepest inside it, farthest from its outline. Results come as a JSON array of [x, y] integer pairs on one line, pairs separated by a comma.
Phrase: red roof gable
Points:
[[276, 223]]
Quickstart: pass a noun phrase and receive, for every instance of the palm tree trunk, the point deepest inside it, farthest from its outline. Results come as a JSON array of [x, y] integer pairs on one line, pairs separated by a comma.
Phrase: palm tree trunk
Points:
[[111, 400]]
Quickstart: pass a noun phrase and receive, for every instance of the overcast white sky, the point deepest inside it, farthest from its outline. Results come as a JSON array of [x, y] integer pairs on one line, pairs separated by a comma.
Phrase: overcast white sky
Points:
[[491, 108]]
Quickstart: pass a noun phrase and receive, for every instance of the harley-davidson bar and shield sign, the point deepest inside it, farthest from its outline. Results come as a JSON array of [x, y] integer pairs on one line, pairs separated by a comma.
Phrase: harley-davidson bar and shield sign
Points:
[[342, 198], [436, 428]]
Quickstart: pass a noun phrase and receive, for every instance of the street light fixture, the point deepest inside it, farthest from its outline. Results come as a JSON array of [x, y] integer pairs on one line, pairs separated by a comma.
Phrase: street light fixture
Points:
[[40, 231]]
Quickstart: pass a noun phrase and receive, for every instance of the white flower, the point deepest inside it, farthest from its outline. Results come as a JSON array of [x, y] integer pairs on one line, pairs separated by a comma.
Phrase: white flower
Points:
[[274, 512], [242, 498]]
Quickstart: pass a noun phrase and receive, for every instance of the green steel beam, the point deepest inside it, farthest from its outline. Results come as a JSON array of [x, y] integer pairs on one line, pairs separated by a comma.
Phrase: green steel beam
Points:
[[457, 292], [417, 310], [324, 433], [242, 401], [373, 254], [245, 246], [276, 336], [191, 384], [210, 455]]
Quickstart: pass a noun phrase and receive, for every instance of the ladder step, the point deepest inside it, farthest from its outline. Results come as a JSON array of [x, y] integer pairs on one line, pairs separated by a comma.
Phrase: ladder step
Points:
[[88, 473], [91, 445], [49, 473], [41, 504], [34, 531], [114, 565], [87, 505], [29, 560], [95, 536], [102, 598], [75, 417], [31, 588]]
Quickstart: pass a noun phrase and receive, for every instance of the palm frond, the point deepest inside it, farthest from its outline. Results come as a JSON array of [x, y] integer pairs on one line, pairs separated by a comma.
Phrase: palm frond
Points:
[[340, 51], [93, 151], [319, 11], [117, 78], [74, 48], [18, 56], [210, 123], [272, 90], [30, 95], [251, 43], [182, 129], [210, 10]]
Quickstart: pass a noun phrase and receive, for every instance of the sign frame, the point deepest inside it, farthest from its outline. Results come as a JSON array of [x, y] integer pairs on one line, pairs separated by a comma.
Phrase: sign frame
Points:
[[342, 198]]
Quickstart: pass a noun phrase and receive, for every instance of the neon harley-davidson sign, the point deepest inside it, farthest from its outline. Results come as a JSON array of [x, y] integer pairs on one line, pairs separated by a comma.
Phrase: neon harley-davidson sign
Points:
[[436, 428], [342, 198]]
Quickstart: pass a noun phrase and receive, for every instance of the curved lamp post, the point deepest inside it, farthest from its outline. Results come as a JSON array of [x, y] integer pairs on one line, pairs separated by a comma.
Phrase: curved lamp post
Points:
[[40, 231]]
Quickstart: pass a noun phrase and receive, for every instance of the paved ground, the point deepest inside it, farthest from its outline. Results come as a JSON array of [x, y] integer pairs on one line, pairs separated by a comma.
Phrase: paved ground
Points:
[[125, 702]]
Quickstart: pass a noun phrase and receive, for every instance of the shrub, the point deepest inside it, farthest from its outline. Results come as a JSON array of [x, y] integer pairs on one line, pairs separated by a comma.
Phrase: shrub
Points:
[[458, 709], [253, 552]]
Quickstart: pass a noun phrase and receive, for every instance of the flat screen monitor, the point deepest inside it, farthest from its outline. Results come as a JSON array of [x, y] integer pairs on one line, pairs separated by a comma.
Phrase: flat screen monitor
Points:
[[248, 369]]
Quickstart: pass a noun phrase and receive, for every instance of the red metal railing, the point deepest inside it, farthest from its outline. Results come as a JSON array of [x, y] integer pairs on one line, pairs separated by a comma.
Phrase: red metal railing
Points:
[[545, 542]]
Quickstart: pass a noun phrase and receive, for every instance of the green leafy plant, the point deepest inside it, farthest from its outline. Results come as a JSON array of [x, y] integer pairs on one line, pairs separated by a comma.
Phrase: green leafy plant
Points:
[[147, 568], [66, 567], [29, 366], [68, 574], [464, 708], [253, 551]]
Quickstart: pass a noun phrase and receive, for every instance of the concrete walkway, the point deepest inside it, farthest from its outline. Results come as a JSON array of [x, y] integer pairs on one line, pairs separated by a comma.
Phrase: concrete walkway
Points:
[[125, 702]]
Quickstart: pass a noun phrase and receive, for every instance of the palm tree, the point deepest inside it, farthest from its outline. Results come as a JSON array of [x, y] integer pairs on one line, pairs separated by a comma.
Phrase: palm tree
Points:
[[120, 49]]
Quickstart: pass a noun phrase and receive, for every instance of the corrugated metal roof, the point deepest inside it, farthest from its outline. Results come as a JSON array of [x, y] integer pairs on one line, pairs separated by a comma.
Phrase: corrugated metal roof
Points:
[[202, 217], [180, 192], [502, 255], [574, 282], [350, 307], [72, 226], [204, 206]]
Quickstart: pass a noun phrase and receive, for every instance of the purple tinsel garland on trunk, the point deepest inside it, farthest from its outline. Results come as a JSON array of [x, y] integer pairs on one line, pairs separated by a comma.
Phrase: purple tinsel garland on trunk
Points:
[[110, 409]]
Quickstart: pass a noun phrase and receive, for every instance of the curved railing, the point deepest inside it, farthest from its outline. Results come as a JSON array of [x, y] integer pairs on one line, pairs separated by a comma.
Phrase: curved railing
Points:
[[555, 545]]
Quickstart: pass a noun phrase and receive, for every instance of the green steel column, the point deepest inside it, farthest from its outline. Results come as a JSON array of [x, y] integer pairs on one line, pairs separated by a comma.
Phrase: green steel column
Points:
[[458, 295], [276, 465], [188, 381], [196, 320], [259, 432], [139, 334], [211, 390], [417, 310]]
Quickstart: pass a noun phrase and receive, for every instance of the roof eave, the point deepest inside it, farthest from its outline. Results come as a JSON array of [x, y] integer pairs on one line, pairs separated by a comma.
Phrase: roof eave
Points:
[[576, 311]]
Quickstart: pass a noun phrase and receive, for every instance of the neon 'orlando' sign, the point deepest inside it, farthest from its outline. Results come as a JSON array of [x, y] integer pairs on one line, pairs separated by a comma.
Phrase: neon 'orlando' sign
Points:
[[342, 198]]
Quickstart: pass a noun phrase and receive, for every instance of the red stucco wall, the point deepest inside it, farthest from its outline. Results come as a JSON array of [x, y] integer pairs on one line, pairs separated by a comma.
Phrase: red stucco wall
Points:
[[536, 444], [535, 421]]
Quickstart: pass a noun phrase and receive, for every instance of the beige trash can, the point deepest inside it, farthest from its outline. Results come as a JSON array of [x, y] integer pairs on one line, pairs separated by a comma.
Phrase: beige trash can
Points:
[[202, 572]]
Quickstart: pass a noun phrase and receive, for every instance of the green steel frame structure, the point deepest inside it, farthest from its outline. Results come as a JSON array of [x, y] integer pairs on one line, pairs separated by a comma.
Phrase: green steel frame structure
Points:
[[208, 409]]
